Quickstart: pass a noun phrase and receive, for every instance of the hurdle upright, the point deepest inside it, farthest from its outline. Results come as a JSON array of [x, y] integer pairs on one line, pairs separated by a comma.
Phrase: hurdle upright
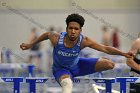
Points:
[[15, 80], [124, 80]]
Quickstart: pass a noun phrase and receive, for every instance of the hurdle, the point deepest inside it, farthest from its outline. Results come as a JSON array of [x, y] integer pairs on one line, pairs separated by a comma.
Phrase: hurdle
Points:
[[124, 80], [107, 81], [32, 83], [15, 80]]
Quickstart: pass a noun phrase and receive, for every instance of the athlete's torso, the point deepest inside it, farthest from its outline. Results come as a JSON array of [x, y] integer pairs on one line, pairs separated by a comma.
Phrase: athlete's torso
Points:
[[66, 57]]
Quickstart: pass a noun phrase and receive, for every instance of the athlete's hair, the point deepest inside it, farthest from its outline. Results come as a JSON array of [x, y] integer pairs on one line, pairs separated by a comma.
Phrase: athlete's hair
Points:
[[75, 18]]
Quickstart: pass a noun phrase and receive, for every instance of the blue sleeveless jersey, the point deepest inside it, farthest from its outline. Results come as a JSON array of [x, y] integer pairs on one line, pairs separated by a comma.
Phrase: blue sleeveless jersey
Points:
[[66, 57]]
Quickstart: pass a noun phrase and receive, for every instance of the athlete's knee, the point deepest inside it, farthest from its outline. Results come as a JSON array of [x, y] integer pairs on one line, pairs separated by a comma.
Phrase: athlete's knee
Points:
[[109, 63], [63, 77], [104, 64], [66, 85]]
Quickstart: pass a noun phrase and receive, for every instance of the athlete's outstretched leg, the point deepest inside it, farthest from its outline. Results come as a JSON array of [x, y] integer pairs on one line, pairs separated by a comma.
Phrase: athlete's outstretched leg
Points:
[[66, 84], [104, 64]]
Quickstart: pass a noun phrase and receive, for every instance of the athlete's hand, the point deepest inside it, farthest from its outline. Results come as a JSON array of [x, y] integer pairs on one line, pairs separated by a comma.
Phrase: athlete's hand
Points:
[[129, 55], [24, 46]]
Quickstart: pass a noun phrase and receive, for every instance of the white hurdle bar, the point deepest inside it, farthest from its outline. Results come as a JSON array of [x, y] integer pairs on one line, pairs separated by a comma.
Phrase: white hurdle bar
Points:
[[33, 80]]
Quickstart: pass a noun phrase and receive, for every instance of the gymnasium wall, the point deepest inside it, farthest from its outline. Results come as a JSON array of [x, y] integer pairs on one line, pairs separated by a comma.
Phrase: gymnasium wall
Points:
[[21, 15], [15, 28]]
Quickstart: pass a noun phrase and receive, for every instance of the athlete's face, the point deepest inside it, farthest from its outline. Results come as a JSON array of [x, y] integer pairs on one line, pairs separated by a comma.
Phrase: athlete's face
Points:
[[73, 30]]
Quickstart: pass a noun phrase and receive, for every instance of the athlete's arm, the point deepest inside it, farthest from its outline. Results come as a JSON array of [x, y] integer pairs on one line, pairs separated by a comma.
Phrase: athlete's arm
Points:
[[130, 62], [134, 49], [135, 46], [45, 36], [87, 42]]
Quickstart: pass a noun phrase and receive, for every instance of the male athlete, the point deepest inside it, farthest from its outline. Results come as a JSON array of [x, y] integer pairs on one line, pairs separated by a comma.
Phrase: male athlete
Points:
[[67, 45], [134, 63]]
